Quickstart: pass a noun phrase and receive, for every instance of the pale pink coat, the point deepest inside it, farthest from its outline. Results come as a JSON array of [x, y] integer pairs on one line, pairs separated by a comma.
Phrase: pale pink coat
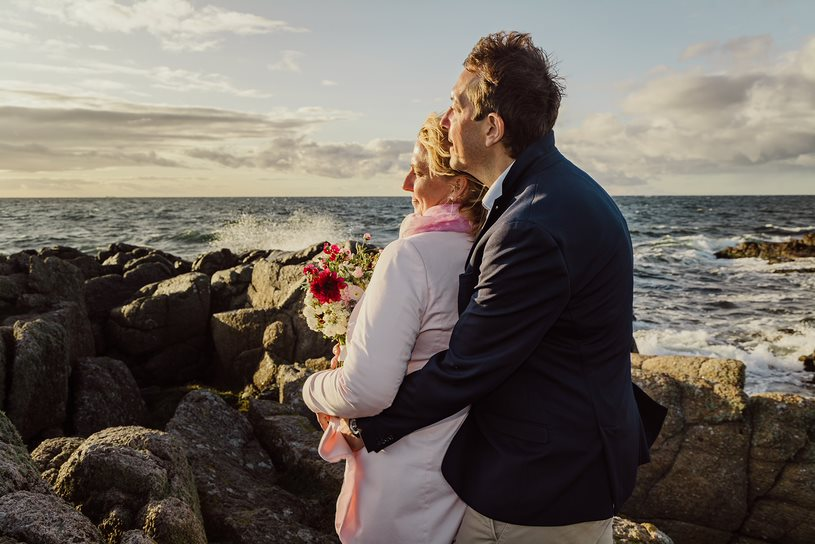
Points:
[[406, 315]]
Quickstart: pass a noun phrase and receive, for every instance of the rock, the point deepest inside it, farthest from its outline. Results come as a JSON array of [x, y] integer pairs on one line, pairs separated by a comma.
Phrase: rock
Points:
[[292, 442], [104, 293], [72, 317], [782, 469], [235, 476], [630, 532], [809, 362], [175, 365], [726, 468], [162, 403], [698, 471], [265, 377], [17, 471], [87, 264], [278, 284], [228, 288], [56, 279], [296, 257], [61, 252], [45, 519], [146, 273], [3, 359], [310, 344], [19, 262], [12, 286], [163, 314], [171, 521], [772, 251], [136, 537], [39, 374], [105, 395], [275, 285], [116, 473], [52, 453], [290, 380], [210, 263], [151, 257], [115, 264], [242, 331]]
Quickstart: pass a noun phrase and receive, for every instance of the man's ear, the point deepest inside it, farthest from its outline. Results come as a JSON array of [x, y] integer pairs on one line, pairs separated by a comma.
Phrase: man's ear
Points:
[[495, 129]]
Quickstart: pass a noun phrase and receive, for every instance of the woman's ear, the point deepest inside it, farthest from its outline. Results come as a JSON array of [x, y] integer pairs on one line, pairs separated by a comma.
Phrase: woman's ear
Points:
[[495, 129], [458, 188]]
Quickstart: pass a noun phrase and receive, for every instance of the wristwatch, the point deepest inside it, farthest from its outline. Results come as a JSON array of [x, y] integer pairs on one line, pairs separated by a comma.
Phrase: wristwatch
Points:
[[352, 425]]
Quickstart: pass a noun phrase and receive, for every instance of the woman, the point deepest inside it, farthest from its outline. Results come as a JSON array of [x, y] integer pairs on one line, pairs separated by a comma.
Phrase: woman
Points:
[[406, 316]]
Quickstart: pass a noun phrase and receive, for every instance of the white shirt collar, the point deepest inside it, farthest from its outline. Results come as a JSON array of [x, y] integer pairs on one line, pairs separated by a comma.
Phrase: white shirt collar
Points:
[[496, 190]]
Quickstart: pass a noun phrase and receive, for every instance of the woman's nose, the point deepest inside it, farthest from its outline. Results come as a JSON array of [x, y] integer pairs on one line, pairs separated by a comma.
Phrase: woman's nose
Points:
[[407, 185]]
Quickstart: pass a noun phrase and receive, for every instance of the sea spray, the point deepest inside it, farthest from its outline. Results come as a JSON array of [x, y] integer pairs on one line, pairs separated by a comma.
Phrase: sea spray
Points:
[[298, 230]]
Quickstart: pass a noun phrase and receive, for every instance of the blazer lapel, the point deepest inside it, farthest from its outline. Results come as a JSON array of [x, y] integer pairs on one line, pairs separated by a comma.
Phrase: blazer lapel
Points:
[[542, 147]]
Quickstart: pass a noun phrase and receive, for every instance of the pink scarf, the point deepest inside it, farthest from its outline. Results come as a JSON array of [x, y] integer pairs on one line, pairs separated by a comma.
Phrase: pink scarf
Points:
[[443, 217]]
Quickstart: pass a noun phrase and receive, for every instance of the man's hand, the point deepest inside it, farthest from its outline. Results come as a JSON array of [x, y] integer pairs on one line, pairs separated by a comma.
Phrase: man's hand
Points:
[[354, 442]]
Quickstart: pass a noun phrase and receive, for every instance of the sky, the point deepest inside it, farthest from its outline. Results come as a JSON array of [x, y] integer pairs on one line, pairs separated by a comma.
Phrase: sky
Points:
[[127, 98]]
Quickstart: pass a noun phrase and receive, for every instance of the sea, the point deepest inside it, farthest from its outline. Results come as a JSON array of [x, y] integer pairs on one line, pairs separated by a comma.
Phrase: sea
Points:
[[686, 301]]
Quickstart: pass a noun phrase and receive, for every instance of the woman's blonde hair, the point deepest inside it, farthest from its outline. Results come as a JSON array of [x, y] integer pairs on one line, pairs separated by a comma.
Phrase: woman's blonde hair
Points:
[[433, 138]]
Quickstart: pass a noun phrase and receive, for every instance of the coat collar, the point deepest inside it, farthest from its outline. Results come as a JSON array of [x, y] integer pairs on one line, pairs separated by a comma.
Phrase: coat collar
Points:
[[542, 153]]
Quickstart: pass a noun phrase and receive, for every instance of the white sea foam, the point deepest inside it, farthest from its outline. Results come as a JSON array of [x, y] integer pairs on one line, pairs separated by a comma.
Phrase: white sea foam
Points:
[[790, 229], [296, 231], [770, 356]]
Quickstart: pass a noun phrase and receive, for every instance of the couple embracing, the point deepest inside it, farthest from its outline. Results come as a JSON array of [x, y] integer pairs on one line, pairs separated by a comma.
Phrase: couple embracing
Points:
[[486, 392]]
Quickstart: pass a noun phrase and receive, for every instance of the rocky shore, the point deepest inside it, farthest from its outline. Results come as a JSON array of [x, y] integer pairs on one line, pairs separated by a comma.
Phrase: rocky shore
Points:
[[773, 252], [149, 399]]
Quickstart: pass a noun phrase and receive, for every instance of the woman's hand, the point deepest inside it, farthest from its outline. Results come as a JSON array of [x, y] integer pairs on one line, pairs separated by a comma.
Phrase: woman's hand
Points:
[[323, 420], [335, 361]]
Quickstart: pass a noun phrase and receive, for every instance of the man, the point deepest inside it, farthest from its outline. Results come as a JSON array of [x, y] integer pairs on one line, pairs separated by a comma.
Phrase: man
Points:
[[551, 446]]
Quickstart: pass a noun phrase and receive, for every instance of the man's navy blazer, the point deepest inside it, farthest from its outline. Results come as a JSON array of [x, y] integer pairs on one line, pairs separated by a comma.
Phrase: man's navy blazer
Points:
[[541, 352]]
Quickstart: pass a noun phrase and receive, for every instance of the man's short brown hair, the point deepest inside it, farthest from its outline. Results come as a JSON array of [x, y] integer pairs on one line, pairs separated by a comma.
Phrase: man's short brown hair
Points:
[[518, 82]]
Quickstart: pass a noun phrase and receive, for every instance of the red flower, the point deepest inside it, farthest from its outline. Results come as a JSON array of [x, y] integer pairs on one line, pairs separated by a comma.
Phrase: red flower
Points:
[[326, 287]]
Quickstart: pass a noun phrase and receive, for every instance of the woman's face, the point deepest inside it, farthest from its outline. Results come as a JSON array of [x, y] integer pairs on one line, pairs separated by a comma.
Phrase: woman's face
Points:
[[427, 191]]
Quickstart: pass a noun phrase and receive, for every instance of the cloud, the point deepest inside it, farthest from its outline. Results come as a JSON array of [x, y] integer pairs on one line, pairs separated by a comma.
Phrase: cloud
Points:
[[696, 122], [10, 39], [699, 50], [177, 24], [160, 77], [741, 49], [338, 161], [287, 62], [45, 130]]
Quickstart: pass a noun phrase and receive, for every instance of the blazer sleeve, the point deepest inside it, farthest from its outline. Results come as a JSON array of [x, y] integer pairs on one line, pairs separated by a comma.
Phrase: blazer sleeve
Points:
[[380, 347], [522, 288]]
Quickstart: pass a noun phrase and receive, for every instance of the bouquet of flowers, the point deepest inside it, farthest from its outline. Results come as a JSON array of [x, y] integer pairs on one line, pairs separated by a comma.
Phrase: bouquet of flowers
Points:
[[336, 280]]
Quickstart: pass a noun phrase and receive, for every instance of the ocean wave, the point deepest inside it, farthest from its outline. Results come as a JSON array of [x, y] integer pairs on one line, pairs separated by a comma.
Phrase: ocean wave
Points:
[[770, 355], [769, 228], [296, 231]]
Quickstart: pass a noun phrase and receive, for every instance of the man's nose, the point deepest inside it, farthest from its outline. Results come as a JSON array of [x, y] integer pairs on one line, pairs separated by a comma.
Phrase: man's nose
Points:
[[407, 185], [445, 120]]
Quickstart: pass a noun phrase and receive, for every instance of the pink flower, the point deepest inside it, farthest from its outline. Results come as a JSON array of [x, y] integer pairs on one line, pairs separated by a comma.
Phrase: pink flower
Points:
[[358, 273], [326, 287], [366, 236]]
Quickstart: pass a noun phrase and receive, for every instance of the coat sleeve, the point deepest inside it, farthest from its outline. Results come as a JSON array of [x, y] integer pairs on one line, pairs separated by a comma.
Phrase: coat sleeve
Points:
[[381, 344], [522, 288]]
